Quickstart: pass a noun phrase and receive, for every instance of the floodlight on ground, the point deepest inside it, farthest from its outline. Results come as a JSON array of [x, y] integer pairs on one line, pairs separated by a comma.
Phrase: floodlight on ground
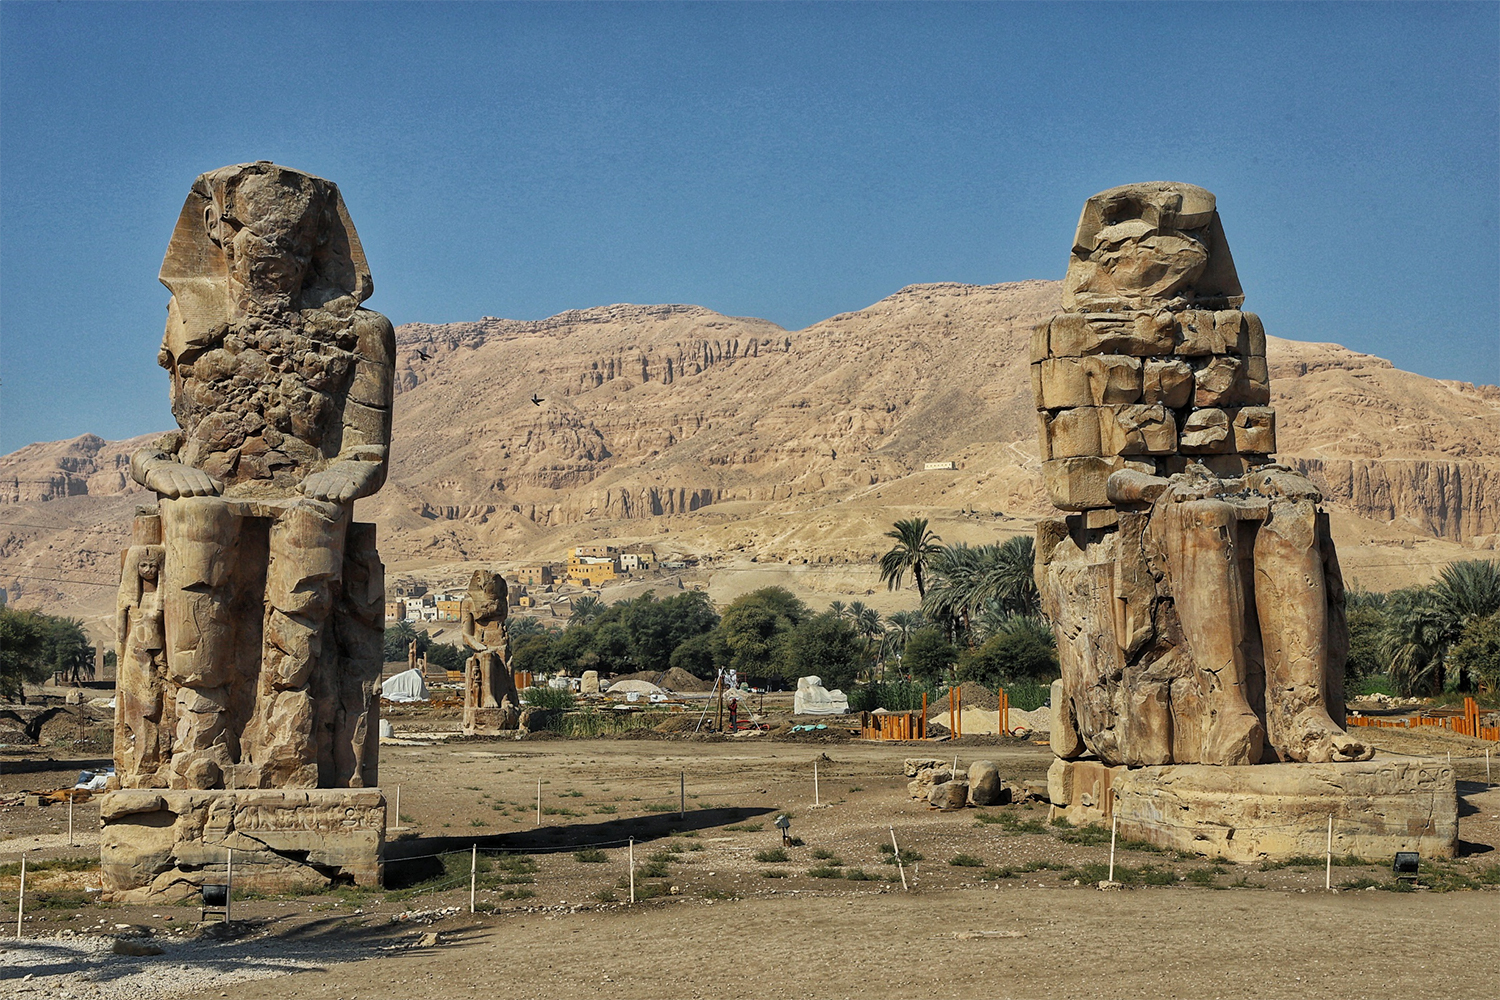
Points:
[[784, 824], [1406, 863], [215, 900]]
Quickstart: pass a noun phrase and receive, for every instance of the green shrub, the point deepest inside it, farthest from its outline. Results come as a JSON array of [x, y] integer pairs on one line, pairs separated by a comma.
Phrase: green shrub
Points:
[[771, 855], [825, 871], [590, 856], [548, 697], [966, 861]]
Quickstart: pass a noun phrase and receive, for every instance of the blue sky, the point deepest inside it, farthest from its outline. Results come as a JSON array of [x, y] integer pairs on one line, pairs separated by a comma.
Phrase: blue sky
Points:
[[786, 161]]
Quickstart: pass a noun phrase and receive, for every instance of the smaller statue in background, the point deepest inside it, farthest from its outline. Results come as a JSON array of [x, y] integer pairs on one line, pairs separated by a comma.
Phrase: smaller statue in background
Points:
[[491, 703]]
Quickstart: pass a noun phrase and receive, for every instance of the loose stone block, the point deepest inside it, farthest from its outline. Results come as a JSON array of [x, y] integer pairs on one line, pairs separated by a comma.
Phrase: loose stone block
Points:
[[985, 785], [1255, 336], [1113, 378], [949, 795]]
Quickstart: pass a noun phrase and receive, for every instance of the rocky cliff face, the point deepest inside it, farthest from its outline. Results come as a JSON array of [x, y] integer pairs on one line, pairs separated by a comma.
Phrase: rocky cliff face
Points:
[[680, 425]]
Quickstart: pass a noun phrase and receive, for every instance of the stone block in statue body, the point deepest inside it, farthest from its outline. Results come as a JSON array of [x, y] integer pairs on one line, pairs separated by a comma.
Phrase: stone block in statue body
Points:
[[251, 605]]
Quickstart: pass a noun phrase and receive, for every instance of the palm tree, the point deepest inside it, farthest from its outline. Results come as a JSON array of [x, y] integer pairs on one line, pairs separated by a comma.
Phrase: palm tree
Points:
[[1011, 578], [914, 549], [1415, 640], [899, 625], [958, 572], [586, 608], [838, 609]]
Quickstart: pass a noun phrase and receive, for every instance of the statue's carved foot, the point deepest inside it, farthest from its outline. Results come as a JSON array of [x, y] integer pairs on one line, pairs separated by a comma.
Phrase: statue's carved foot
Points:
[[1236, 738], [1319, 740]]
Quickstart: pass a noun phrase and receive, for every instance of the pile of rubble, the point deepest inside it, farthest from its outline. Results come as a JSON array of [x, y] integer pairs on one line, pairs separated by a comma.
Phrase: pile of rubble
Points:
[[942, 787]]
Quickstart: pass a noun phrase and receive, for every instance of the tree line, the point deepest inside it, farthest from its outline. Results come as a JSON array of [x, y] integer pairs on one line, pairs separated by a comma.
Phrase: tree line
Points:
[[1426, 640], [980, 611], [34, 646]]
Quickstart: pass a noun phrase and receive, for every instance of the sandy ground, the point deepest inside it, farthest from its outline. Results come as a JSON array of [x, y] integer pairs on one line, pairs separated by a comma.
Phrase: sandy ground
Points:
[[1023, 921]]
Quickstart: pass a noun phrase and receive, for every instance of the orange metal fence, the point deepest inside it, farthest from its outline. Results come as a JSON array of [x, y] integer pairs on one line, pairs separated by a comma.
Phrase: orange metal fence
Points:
[[1467, 724]]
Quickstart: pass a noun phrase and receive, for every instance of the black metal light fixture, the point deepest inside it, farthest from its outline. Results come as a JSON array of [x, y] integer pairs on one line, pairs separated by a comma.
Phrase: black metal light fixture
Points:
[[784, 824], [1406, 864], [215, 900]]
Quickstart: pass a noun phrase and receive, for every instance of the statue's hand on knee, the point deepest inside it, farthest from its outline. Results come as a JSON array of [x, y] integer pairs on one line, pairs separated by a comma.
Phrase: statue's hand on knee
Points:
[[173, 480], [342, 482]]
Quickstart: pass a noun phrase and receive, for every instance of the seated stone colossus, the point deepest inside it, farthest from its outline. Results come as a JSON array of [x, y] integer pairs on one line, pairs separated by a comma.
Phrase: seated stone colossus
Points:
[[251, 606], [1194, 588]]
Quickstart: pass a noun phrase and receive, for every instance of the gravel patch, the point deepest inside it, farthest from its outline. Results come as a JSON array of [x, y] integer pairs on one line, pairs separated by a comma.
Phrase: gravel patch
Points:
[[85, 967]]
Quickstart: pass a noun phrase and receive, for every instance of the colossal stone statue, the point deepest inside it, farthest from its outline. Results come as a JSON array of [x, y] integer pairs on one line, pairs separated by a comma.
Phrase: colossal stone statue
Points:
[[1194, 590], [491, 702], [1196, 593], [251, 605]]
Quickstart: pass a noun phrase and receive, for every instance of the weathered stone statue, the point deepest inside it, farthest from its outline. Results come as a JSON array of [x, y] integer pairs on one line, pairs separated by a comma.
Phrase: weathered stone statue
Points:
[[270, 597], [491, 702], [1194, 591]]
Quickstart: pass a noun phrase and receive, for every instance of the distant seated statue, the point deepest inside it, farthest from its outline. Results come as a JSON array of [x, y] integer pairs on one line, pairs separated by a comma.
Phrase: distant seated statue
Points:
[[491, 702], [812, 698]]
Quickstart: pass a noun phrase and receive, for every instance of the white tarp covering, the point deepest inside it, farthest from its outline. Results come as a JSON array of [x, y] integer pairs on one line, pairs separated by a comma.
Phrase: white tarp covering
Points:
[[405, 686], [813, 698]]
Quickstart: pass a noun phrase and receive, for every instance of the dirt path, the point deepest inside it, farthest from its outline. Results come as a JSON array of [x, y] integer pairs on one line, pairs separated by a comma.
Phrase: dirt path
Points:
[[1155, 943]]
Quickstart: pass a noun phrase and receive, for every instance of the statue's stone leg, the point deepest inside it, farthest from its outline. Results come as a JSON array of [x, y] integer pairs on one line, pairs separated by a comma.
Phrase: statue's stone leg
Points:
[[302, 581], [199, 536], [352, 718], [1198, 538], [490, 665], [1292, 597]]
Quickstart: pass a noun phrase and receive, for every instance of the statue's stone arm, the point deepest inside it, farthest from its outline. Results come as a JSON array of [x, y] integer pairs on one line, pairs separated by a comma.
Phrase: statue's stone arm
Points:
[[157, 468], [364, 456]]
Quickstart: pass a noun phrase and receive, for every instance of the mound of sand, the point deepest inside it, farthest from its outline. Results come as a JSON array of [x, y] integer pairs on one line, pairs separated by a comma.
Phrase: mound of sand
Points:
[[680, 680]]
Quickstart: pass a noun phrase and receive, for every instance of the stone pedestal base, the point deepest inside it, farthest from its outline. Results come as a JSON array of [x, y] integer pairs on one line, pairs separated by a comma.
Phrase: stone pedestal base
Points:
[[1267, 812], [490, 721], [165, 843]]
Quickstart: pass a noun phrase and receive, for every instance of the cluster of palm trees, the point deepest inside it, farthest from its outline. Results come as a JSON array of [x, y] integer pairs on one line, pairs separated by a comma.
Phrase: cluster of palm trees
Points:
[[881, 636], [971, 592], [1439, 637]]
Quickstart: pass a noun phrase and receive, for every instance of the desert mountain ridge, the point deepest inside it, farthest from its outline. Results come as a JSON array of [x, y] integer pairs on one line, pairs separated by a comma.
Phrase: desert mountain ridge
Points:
[[776, 455]]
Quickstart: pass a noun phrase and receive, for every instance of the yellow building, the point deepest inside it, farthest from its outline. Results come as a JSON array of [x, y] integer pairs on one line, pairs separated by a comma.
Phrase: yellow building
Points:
[[591, 573]]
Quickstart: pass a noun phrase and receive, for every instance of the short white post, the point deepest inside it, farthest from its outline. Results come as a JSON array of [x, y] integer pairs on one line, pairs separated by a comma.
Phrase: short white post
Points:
[[1328, 869], [229, 885], [70, 819], [816, 800], [398, 809], [1114, 826], [899, 866], [955, 767], [1486, 769], [631, 859], [21, 899], [473, 868], [539, 802], [682, 795]]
